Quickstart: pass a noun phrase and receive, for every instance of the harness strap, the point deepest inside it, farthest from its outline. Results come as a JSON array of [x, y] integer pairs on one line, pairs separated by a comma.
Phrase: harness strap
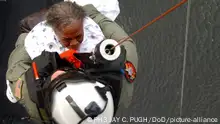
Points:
[[44, 116]]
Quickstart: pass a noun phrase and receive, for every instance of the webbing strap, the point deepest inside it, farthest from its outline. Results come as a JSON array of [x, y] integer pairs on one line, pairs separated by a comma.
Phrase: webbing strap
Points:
[[43, 115]]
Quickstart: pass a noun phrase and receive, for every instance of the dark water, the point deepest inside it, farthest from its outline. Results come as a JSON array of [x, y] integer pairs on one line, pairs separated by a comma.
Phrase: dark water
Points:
[[179, 64]]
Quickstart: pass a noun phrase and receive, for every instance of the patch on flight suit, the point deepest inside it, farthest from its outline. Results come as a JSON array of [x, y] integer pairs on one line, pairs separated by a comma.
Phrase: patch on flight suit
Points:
[[18, 88], [130, 71]]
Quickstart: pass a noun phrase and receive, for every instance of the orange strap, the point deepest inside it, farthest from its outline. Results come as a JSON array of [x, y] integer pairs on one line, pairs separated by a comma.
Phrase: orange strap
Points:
[[34, 66]]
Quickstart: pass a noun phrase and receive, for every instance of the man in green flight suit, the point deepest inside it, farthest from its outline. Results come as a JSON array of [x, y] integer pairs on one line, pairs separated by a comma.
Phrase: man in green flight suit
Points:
[[19, 62]]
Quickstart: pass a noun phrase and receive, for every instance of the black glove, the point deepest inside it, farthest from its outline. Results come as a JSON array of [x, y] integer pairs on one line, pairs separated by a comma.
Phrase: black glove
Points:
[[49, 62], [117, 64]]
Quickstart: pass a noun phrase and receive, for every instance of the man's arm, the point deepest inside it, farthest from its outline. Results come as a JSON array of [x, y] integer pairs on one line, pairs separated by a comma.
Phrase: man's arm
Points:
[[112, 30], [19, 61], [18, 64]]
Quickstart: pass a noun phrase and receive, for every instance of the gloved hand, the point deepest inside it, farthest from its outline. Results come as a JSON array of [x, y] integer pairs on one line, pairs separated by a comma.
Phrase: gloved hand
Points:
[[117, 64], [70, 57], [49, 62]]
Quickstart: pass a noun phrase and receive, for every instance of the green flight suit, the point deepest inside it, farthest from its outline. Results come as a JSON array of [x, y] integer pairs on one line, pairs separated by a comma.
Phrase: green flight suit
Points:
[[19, 61]]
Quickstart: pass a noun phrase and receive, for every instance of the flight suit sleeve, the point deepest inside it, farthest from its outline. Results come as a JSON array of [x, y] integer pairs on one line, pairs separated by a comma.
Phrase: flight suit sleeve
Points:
[[18, 64], [19, 61], [112, 30]]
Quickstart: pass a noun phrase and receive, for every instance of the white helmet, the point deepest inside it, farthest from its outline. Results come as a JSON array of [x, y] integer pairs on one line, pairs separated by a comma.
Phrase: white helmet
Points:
[[81, 101]]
